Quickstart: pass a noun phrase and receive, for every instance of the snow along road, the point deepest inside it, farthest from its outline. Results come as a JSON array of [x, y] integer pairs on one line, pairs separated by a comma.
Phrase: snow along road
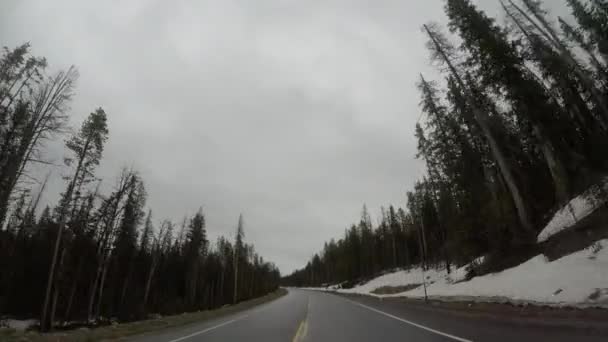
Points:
[[313, 316]]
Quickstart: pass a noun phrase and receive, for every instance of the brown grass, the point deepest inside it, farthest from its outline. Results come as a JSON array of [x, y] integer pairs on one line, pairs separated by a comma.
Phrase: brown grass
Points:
[[394, 289], [119, 331]]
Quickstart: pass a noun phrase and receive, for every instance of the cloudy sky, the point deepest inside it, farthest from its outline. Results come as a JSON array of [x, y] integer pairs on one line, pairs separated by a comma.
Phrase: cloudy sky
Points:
[[294, 113]]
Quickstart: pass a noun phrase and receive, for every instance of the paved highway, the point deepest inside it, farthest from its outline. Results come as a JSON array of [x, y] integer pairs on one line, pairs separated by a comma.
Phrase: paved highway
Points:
[[317, 317]]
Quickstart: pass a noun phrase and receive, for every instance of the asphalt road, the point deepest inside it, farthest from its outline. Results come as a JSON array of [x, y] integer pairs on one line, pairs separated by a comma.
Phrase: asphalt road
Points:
[[317, 317]]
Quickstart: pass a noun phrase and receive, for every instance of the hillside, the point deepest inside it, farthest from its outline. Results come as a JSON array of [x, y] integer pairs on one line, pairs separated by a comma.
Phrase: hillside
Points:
[[577, 279]]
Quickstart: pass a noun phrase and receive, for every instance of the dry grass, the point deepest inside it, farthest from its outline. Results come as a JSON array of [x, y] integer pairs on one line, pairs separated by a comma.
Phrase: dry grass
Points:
[[394, 289], [119, 331]]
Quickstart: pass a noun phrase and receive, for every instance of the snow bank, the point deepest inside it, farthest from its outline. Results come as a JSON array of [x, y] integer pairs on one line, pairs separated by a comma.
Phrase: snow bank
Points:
[[577, 209], [399, 278], [19, 325], [579, 279]]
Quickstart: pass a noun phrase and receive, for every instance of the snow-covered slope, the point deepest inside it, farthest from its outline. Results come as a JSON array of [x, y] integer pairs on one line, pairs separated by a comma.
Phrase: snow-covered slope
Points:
[[577, 209], [579, 279]]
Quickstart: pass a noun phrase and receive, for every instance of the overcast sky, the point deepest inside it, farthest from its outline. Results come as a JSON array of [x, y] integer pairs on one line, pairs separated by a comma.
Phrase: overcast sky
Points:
[[294, 113]]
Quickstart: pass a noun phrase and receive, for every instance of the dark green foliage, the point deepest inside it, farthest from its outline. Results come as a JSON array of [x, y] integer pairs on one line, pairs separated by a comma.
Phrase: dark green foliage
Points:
[[519, 126], [99, 254]]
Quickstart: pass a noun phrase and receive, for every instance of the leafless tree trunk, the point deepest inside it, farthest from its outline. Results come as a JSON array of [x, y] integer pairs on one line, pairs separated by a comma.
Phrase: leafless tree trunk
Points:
[[62, 222], [56, 292], [156, 250], [148, 283], [421, 243], [101, 286], [72, 293], [110, 212], [222, 284], [125, 285], [252, 283], [394, 247]]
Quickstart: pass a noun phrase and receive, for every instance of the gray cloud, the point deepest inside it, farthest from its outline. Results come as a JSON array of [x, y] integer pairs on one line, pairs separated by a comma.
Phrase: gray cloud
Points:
[[292, 112]]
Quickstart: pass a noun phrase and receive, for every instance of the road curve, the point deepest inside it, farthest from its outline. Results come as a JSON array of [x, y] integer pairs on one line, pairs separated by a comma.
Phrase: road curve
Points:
[[310, 316]]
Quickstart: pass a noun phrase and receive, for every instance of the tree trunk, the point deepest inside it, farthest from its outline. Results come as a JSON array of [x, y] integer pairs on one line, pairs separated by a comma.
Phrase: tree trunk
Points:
[[62, 223], [420, 243], [56, 287], [53, 309], [496, 150], [101, 288], [252, 283], [125, 285], [68, 309], [556, 167], [394, 246], [95, 284], [148, 283], [236, 274], [222, 286]]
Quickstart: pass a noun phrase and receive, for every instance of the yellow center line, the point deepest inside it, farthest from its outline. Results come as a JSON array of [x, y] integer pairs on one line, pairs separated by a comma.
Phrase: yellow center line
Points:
[[303, 327]]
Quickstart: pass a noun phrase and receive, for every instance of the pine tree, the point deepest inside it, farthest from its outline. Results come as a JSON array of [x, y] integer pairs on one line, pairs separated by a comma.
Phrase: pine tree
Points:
[[238, 250], [87, 147], [546, 29], [196, 246], [441, 51], [593, 22]]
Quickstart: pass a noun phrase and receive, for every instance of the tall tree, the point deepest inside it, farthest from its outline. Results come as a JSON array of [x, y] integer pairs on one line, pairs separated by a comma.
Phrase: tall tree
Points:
[[87, 148], [196, 246], [443, 51], [238, 250], [32, 109], [125, 243]]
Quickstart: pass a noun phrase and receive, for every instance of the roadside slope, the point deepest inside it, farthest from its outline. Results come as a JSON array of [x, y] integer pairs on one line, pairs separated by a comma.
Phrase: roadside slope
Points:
[[578, 279]]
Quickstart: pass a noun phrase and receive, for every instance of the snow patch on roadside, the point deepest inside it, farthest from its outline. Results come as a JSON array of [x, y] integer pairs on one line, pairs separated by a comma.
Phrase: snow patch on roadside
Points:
[[19, 325], [579, 279]]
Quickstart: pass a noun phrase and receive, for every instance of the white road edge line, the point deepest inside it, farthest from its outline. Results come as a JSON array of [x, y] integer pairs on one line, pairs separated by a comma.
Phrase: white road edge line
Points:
[[207, 330], [411, 323]]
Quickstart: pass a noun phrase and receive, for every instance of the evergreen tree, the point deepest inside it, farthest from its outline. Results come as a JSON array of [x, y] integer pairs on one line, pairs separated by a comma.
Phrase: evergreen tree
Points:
[[87, 147], [238, 250], [196, 246]]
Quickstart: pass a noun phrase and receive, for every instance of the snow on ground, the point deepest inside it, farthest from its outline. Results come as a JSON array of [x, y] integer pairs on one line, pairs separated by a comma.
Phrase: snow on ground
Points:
[[577, 209], [399, 278], [579, 279], [19, 325]]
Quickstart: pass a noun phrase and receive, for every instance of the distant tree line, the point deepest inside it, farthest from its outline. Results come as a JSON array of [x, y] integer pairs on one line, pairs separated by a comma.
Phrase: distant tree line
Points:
[[517, 127], [94, 256]]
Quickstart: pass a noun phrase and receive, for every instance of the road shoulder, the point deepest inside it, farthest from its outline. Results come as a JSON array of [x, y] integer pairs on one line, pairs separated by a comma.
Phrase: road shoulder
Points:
[[140, 328], [549, 316]]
